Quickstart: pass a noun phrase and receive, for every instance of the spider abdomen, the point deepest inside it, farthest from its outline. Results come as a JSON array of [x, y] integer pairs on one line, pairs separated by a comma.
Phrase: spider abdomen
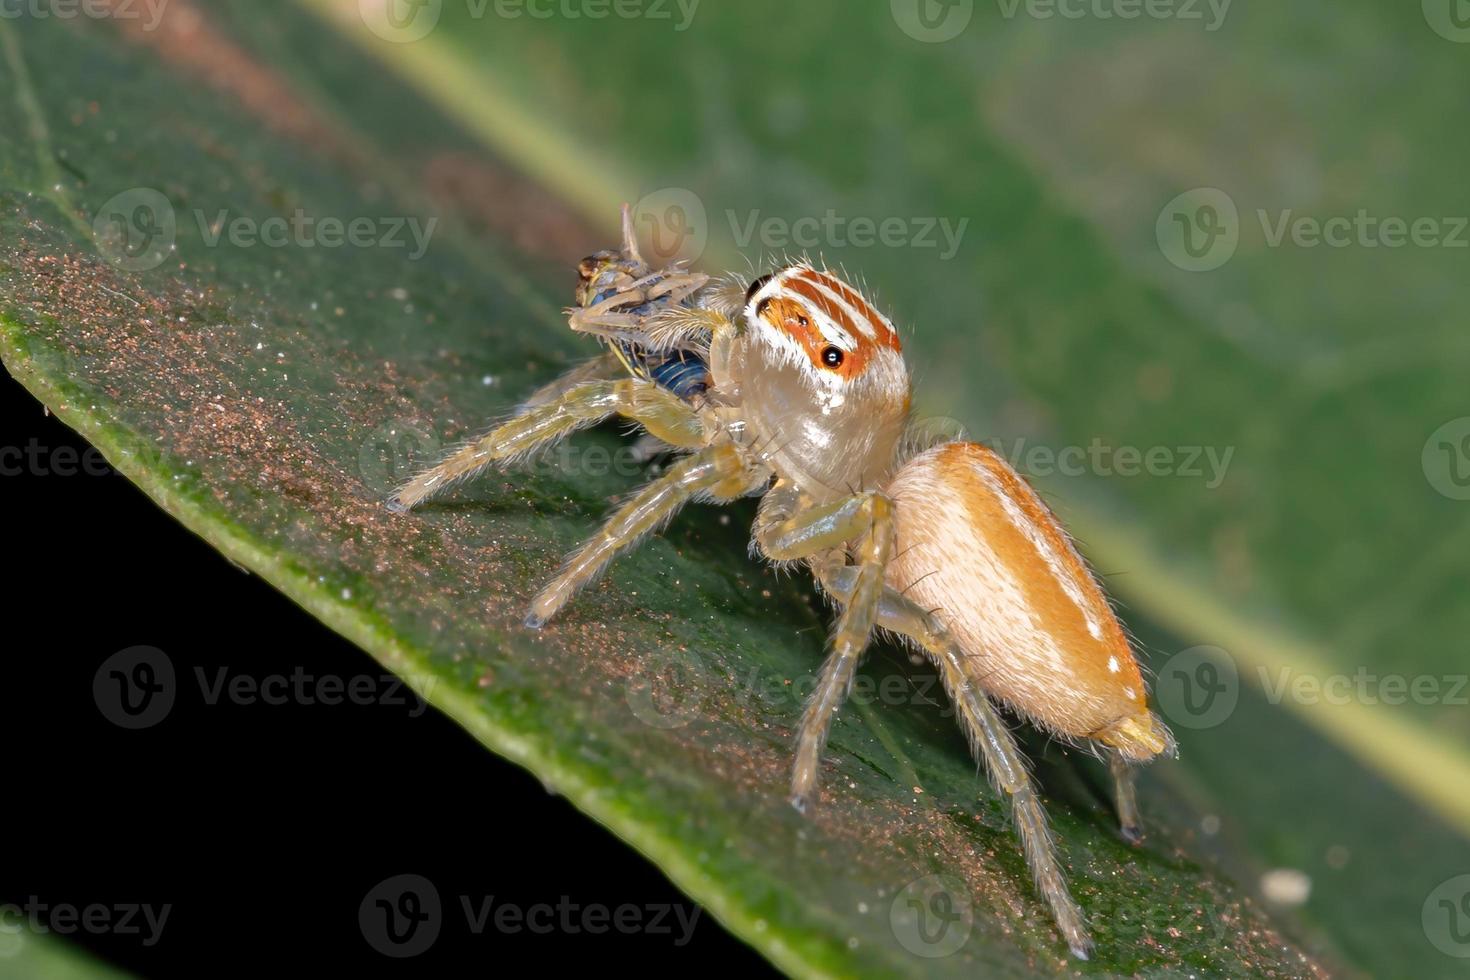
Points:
[[977, 545]]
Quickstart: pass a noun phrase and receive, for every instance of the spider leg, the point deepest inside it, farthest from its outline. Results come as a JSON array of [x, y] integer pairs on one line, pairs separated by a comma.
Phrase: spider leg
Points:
[[604, 367], [659, 411], [990, 740], [1129, 820], [868, 519], [720, 472], [647, 448]]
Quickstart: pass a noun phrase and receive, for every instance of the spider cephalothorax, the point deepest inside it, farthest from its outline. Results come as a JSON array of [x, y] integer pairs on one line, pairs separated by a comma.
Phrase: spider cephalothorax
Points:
[[793, 386], [821, 377]]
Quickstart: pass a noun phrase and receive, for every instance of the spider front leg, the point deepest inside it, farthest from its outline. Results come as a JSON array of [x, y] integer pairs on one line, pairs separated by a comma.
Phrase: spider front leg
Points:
[[866, 518], [605, 367], [659, 411], [990, 739], [720, 472]]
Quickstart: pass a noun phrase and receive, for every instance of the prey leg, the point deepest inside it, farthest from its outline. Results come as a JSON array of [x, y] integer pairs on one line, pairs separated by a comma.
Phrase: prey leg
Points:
[[990, 739], [607, 319], [719, 472], [866, 518], [659, 411]]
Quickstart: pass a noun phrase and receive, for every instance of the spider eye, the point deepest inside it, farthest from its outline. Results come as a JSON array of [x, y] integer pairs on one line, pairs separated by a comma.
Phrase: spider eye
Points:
[[755, 286], [832, 357]]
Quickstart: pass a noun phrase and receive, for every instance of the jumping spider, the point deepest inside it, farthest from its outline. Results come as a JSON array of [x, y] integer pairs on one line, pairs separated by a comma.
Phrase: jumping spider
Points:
[[793, 387]]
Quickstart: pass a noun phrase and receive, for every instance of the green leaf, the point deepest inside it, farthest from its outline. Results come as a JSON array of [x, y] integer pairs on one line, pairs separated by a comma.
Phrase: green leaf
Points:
[[1060, 320], [268, 397], [26, 955]]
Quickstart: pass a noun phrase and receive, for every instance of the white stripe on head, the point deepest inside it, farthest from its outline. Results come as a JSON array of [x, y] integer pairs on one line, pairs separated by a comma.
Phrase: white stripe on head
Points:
[[777, 286], [878, 317], [863, 324]]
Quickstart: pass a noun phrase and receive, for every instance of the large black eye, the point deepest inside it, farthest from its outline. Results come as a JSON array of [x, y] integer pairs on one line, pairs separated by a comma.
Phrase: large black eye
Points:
[[832, 357]]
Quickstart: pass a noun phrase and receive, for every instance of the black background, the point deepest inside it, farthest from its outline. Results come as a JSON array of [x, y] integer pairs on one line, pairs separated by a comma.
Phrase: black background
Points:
[[264, 827]]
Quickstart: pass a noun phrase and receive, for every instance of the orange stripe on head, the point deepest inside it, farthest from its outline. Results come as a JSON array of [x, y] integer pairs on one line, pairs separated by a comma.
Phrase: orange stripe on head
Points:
[[790, 316], [882, 329], [824, 303], [839, 332]]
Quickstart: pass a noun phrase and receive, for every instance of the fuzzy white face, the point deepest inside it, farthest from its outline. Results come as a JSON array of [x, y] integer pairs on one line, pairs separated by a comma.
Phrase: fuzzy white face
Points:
[[822, 380]]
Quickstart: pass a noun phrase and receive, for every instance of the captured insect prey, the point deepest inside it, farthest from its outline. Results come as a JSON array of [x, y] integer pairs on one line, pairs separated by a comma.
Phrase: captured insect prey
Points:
[[793, 387]]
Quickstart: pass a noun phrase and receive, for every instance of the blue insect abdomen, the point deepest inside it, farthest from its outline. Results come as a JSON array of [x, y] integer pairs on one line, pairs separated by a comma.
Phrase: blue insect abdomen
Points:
[[683, 373]]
